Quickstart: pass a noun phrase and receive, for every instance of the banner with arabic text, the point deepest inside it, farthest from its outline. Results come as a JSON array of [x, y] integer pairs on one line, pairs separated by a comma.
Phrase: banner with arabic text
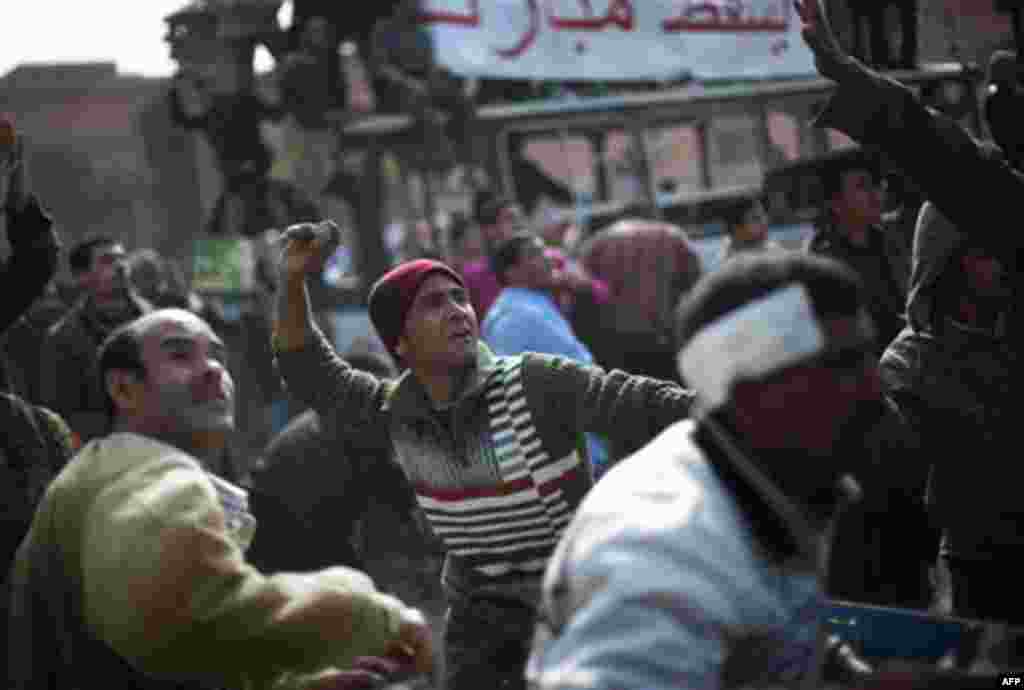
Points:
[[613, 40]]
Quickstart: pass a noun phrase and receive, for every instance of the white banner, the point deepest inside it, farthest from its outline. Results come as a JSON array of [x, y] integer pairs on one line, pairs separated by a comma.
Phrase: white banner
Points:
[[609, 40]]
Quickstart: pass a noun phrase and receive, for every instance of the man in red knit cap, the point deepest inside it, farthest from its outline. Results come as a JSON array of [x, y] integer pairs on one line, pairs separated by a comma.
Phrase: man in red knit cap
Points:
[[492, 446]]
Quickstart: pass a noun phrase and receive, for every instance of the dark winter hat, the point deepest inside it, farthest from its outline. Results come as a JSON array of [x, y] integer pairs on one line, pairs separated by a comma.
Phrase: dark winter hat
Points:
[[392, 296]]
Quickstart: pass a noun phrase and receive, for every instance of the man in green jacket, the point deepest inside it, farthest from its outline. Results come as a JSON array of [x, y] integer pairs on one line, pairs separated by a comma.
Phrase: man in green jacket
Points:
[[492, 446], [133, 573]]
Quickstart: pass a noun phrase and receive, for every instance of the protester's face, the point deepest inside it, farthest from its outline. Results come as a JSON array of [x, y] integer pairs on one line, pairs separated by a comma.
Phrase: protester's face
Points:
[[820, 408], [510, 219], [860, 200], [440, 329], [554, 233], [534, 269], [188, 389], [985, 275], [101, 279]]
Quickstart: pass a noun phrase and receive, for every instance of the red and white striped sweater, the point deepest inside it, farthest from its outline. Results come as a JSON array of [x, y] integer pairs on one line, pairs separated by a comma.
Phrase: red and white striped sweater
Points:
[[500, 472]]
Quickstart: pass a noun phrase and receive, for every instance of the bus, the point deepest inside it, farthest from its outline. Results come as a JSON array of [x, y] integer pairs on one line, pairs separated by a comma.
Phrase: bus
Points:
[[677, 155]]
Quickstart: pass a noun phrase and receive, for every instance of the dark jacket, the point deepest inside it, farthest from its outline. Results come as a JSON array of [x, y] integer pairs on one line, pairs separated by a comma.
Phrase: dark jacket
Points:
[[884, 268], [969, 182], [884, 543], [33, 260], [23, 344], [69, 380], [34, 446], [326, 482], [232, 127], [954, 382], [311, 85]]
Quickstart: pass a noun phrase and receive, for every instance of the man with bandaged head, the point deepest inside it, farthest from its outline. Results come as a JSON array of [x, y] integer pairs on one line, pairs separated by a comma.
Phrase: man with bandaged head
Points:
[[699, 561]]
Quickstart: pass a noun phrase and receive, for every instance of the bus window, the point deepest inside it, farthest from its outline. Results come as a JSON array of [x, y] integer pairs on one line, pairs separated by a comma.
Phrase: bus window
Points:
[[673, 152], [784, 135], [566, 159], [622, 161], [733, 151]]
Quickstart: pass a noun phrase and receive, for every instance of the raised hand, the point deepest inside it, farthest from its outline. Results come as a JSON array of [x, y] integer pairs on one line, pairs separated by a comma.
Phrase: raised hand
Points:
[[306, 246], [829, 58], [14, 190]]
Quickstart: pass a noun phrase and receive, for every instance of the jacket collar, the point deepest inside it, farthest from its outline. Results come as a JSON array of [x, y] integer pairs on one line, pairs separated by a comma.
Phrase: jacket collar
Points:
[[784, 529], [408, 399]]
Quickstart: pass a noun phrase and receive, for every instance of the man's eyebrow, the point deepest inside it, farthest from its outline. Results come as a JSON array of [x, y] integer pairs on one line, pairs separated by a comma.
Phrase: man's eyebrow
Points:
[[440, 292], [175, 341], [172, 342]]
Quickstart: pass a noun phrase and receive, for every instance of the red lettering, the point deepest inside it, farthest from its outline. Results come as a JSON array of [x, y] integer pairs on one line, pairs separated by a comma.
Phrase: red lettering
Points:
[[729, 16], [471, 18], [620, 13], [528, 37]]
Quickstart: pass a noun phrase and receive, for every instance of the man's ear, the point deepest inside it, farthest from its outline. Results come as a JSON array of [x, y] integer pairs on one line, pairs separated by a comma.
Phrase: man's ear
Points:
[[125, 389]]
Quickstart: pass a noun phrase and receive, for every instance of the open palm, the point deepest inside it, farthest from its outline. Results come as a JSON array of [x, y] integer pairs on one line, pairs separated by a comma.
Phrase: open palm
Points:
[[829, 58]]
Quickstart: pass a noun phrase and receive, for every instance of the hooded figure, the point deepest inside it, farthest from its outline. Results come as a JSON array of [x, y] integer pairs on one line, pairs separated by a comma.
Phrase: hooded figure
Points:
[[951, 375]]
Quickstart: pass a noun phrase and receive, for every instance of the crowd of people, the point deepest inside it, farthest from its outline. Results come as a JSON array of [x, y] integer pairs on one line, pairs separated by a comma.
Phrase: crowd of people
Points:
[[623, 468]]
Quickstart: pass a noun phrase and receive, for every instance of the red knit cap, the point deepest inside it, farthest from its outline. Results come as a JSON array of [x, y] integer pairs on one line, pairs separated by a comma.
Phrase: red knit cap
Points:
[[392, 296]]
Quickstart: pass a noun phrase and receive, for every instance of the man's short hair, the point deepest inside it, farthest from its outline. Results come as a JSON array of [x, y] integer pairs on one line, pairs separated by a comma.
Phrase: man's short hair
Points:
[[509, 253], [835, 167], [121, 351], [80, 258], [735, 212], [834, 289]]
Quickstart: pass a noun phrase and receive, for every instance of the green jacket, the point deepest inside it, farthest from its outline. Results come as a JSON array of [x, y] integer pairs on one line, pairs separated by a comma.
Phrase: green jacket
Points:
[[134, 573]]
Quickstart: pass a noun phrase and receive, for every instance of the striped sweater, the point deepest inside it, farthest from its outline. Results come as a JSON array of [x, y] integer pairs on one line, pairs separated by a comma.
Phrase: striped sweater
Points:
[[500, 471]]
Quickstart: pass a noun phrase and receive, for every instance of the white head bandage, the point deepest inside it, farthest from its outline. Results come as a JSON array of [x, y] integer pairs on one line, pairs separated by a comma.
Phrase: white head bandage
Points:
[[753, 341]]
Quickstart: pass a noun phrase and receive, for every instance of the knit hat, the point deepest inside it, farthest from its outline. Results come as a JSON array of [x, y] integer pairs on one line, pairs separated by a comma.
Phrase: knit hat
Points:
[[392, 296]]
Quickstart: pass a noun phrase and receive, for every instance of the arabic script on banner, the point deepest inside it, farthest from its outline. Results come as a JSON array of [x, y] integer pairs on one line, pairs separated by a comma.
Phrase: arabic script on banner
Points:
[[611, 40]]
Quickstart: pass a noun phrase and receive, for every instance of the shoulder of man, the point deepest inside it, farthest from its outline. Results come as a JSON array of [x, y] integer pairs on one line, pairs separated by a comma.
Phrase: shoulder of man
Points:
[[553, 373], [36, 442]]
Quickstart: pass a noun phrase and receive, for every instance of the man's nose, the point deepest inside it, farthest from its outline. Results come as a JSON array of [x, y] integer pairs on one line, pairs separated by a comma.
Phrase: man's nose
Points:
[[456, 309]]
